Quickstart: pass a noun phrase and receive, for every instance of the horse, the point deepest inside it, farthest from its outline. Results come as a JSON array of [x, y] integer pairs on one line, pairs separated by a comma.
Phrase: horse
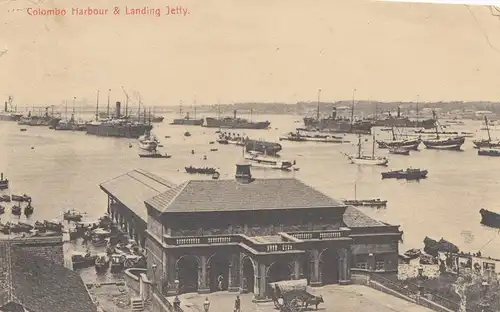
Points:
[[314, 300]]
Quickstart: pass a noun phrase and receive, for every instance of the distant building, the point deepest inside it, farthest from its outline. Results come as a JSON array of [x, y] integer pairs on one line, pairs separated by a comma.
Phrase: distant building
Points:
[[246, 233], [33, 278], [488, 114]]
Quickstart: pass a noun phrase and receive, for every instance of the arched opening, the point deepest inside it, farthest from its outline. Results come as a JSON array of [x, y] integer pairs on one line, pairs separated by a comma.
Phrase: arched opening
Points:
[[329, 267], [248, 281], [187, 274], [279, 271], [306, 267], [218, 267]]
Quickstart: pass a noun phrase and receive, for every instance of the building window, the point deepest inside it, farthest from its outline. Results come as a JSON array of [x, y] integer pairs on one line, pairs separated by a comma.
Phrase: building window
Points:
[[379, 265], [362, 265]]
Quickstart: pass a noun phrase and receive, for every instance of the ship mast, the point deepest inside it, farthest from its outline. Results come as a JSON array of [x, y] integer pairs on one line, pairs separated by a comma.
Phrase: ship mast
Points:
[[417, 111], [436, 126], [109, 95], [317, 110], [373, 146], [487, 128], [126, 101], [97, 107], [359, 146], [352, 109]]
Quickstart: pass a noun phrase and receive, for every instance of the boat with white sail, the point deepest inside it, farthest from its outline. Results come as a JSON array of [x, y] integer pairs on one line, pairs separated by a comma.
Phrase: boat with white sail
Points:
[[361, 159]]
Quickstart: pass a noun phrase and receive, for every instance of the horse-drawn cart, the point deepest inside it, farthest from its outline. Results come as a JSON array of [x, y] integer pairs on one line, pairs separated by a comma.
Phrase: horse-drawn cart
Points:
[[292, 296]]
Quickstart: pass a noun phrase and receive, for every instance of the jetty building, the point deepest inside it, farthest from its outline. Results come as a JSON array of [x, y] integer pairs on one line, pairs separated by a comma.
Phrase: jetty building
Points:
[[243, 234]]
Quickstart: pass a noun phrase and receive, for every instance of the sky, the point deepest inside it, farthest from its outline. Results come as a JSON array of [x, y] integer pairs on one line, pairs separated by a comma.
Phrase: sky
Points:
[[246, 51]]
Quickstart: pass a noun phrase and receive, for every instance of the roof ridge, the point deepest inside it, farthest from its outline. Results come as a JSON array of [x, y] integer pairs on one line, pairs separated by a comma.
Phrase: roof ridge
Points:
[[154, 177], [181, 187], [119, 176]]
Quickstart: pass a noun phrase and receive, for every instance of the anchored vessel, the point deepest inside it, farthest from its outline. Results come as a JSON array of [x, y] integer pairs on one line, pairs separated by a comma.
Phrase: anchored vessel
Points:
[[336, 124], [490, 218], [262, 161], [488, 142], [234, 123], [9, 113], [405, 122], [360, 159], [409, 144], [451, 143], [118, 127], [408, 174], [187, 120], [300, 137]]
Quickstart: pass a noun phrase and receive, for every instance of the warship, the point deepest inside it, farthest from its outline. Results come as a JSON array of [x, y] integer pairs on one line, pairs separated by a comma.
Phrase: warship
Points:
[[118, 127], [9, 114]]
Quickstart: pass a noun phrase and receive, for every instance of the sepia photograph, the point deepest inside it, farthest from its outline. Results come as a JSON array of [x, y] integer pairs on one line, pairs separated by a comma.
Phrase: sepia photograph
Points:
[[249, 156]]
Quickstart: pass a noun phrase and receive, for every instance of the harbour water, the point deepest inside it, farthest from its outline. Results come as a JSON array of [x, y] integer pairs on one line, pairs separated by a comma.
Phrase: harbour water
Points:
[[61, 170]]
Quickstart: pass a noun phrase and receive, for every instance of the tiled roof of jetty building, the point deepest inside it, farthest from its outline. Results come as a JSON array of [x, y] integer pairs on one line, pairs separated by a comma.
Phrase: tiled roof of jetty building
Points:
[[354, 218], [40, 285], [230, 195], [134, 187]]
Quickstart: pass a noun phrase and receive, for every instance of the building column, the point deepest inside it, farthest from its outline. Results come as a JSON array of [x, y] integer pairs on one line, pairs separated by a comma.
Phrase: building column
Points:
[[344, 271], [296, 268], [109, 205], [234, 271], [172, 274], [261, 280], [315, 270], [203, 287]]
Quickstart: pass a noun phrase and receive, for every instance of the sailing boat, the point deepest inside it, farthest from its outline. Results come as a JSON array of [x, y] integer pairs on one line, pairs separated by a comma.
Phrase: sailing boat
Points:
[[451, 143], [486, 143], [360, 159], [408, 144]]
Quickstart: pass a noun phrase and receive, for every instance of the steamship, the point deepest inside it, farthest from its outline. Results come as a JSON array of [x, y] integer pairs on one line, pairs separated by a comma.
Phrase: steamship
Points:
[[118, 127], [404, 122], [234, 123], [336, 124], [8, 113]]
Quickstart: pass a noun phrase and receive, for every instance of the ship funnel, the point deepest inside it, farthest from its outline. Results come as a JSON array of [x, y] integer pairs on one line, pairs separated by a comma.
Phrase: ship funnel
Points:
[[234, 114], [399, 111], [334, 113], [5, 108], [118, 109], [1, 176], [243, 174]]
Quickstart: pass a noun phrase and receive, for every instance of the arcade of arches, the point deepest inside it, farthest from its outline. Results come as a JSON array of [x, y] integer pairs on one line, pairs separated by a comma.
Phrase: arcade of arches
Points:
[[225, 271]]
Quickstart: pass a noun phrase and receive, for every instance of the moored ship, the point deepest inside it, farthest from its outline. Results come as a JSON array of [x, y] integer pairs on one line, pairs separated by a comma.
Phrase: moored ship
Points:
[[405, 122], [302, 137], [187, 120], [336, 124], [490, 218], [9, 114], [451, 143], [409, 144], [234, 123], [486, 142], [117, 127]]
